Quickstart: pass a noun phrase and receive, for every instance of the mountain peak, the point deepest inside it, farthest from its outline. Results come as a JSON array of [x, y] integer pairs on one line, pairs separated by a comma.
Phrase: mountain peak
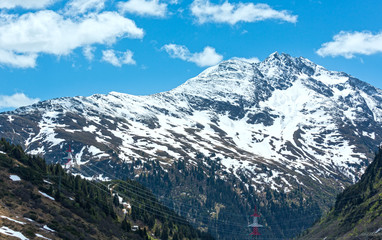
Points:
[[274, 54], [279, 56], [239, 78]]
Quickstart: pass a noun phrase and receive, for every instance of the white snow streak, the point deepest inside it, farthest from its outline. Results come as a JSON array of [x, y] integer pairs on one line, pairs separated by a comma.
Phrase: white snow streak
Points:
[[9, 232], [15, 178], [46, 195]]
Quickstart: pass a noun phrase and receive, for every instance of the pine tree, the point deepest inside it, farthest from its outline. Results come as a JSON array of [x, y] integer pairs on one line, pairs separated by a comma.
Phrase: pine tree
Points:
[[164, 235], [126, 225], [116, 200], [57, 195], [157, 232], [175, 237]]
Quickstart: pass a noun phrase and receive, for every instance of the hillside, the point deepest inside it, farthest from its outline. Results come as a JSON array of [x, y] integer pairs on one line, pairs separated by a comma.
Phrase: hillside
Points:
[[40, 200], [284, 134], [357, 213]]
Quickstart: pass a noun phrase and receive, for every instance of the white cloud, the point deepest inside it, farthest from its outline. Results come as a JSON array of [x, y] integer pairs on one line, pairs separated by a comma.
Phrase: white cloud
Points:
[[250, 60], [16, 100], [348, 44], [75, 7], [144, 7], [88, 52], [117, 58], [49, 32], [27, 4], [173, 2], [12, 59], [128, 58], [177, 51], [208, 57], [253, 60], [110, 57], [229, 13]]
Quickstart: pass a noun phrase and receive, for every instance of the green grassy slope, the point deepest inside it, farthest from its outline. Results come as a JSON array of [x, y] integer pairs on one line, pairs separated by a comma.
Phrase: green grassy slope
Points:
[[357, 213]]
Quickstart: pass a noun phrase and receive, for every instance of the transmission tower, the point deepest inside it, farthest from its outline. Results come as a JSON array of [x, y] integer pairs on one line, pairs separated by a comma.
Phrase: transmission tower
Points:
[[70, 161], [255, 225]]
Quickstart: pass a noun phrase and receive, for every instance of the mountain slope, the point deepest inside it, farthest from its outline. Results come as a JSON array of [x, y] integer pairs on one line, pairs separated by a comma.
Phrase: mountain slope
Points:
[[357, 213], [42, 200], [283, 110], [284, 126]]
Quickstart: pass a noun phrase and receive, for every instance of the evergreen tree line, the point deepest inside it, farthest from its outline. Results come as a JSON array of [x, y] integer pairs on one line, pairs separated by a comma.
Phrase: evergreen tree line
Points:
[[95, 202], [221, 206]]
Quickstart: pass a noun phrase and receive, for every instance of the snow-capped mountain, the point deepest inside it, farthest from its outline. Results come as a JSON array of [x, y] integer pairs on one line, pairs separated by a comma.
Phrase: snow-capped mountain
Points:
[[276, 122]]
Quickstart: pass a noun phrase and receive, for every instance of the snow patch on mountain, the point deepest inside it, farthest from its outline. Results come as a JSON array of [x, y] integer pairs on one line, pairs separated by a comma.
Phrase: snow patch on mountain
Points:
[[46, 195], [15, 178], [10, 118], [90, 128], [12, 220], [47, 127], [9, 232]]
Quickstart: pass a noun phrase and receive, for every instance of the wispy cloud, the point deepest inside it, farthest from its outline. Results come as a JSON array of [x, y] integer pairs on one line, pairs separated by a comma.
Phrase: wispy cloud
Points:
[[16, 100], [27, 4], [250, 60], [347, 44], [117, 58], [25, 37], [88, 52], [13, 59], [173, 1], [144, 7], [75, 7], [229, 13], [207, 57]]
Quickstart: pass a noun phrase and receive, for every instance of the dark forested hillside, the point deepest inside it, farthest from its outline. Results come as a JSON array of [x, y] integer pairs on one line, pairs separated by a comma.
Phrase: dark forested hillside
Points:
[[209, 202], [357, 213], [37, 199]]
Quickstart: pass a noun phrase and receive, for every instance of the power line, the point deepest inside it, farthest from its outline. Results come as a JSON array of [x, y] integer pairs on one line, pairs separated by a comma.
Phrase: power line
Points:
[[146, 193], [157, 212], [209, 219], [191, 206], [176, 210]]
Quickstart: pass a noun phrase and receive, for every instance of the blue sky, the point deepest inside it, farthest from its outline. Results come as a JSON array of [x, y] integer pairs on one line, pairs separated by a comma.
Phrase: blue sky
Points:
[[55, 48]]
